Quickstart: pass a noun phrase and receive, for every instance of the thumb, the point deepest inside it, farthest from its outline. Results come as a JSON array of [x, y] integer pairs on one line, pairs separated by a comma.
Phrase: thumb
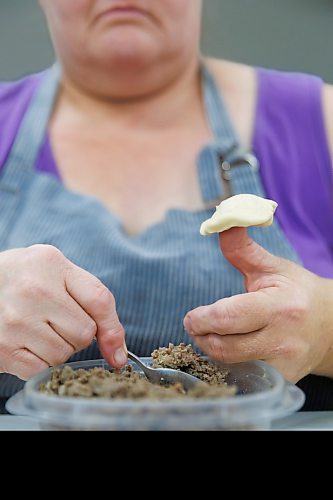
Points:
[[245, 254]]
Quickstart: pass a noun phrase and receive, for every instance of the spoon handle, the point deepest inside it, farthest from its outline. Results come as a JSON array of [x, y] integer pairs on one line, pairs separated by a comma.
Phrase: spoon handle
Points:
[[138, 361]]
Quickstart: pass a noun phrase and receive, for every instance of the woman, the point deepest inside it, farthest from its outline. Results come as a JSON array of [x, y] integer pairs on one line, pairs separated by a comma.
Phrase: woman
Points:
[[111, 160]]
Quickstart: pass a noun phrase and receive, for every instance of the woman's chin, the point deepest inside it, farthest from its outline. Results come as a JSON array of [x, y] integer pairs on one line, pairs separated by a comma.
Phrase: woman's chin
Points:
[[134, 50]]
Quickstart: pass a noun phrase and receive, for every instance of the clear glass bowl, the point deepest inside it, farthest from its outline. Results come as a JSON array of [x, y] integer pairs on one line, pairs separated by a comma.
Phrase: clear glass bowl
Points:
[[263, 395]]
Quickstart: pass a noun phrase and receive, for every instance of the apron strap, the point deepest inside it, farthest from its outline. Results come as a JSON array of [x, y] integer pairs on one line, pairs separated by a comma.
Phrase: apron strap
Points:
[[31, 134], [225, 168]]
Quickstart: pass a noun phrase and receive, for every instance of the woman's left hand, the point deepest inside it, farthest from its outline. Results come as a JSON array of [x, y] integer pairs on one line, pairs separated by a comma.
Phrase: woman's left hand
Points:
[[285, 319]]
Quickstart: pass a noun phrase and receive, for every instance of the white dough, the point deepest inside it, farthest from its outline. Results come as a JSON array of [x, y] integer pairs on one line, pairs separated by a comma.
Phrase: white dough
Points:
[[241, 210]]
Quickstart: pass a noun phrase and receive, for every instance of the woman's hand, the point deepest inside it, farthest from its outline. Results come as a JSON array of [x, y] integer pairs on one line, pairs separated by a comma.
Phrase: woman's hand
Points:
[[285, 319], [49, 309]]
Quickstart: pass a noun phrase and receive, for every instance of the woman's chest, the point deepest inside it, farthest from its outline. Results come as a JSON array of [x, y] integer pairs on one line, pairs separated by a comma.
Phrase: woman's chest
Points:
[[137, 178]]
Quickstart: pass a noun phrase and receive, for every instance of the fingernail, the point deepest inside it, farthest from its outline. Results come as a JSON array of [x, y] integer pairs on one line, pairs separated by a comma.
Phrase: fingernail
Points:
[[120, 356], [188, 324]]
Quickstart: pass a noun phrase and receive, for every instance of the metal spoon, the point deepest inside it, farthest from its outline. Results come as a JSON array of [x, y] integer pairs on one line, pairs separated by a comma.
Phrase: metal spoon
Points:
[[166, 375]]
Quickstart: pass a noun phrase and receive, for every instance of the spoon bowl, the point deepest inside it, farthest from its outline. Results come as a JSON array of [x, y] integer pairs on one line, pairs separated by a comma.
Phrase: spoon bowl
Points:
[[166, 376]]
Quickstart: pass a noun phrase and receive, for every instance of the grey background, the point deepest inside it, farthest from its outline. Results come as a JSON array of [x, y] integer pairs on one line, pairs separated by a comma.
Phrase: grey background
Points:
[[284, 34]]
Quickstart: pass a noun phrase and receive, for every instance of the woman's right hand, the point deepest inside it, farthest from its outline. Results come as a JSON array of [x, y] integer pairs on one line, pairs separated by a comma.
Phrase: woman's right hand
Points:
[[49, 309]]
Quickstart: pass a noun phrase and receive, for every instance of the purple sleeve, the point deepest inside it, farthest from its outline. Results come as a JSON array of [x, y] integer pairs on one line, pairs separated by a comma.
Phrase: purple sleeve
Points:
[[14, 100], [291, 144]]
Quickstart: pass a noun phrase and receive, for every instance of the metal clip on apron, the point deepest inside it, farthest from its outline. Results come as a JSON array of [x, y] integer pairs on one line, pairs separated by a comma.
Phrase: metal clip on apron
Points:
[[238, 169]]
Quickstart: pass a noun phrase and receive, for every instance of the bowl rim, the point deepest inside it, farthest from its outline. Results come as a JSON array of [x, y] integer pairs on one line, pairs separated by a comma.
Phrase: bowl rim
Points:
[[32, 395]]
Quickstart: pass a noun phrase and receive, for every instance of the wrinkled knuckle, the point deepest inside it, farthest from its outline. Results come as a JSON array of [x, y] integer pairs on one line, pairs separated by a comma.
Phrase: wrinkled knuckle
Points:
[[62, 354], [88, 333], [47, 253], [118, 332], [103, 298], [216, 314], [11, 319], [216, 348], [222, 315], [31, 288], [296, 310]]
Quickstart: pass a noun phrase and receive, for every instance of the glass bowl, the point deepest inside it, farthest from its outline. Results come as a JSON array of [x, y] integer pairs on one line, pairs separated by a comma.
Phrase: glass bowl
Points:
[[263, 395]]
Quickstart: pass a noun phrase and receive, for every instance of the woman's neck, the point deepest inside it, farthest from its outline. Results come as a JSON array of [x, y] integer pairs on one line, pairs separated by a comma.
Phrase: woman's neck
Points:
[[168, 103]]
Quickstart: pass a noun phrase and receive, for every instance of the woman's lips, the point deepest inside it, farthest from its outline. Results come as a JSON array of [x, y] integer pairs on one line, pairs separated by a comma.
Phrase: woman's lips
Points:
[[127, 12]]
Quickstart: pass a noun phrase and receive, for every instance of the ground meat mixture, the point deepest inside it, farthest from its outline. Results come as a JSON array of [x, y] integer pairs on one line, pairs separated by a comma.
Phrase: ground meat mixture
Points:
[[128, 384], [184, 358]]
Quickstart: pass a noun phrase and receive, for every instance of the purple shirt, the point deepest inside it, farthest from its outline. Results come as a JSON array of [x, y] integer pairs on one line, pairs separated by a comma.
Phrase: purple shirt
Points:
[[289, 140]]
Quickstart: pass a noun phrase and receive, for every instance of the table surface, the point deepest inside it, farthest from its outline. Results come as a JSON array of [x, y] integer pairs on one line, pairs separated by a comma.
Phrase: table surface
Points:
[[312, 421]]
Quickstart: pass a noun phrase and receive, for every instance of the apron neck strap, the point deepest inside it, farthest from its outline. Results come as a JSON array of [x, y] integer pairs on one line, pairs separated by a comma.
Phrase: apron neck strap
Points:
[[224, 132], [31, 133], [225, 168]]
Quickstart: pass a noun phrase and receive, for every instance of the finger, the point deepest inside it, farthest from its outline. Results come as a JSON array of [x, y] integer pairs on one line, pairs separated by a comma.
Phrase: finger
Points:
[[72, 323], [245, 254], [238, 348], [47, 345], [99, 303], [243, 313], [24, 364]]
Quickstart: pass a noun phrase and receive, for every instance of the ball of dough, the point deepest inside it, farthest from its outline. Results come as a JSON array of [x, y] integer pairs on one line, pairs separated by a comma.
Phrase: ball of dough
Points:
[[241, 210]]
